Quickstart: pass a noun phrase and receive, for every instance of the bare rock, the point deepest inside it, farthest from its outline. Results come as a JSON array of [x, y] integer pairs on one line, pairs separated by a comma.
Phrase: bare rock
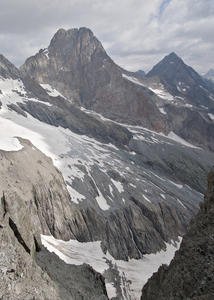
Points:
[[190, 274]]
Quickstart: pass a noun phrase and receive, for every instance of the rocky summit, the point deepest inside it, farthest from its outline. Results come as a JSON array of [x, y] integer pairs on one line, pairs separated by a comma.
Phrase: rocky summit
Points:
[[190, 274], [100, 165]]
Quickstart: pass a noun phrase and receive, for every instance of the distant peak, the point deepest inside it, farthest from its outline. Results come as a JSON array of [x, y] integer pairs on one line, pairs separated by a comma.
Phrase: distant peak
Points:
[[173, 54]]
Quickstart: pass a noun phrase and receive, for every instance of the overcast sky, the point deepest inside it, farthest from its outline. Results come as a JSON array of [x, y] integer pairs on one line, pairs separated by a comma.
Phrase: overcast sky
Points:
[[136, 34]]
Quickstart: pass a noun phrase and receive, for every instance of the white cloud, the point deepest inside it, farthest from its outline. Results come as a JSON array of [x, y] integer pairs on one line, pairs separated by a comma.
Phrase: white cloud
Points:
[[136, 34]]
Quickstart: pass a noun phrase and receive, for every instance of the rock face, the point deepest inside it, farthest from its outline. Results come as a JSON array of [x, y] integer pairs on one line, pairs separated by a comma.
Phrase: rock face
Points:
[[189, 112], [183, 80], [8, 70], [190, 274], [76, 64], [34, 200]]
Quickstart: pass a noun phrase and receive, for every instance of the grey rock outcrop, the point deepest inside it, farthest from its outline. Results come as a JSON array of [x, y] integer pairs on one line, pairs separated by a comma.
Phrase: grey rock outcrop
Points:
[[7, 69], [34, 200], [190, 274]]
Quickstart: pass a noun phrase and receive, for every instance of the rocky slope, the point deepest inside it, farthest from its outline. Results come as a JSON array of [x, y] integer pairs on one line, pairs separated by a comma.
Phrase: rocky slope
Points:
[[34, 200], [190, 274]]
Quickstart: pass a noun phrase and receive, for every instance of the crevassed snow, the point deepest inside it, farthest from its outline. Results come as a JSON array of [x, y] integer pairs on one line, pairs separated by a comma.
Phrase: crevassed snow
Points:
[[138, 271]]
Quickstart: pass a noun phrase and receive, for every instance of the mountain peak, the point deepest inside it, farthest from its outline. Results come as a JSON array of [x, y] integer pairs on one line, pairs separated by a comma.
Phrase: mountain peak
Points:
[[7, 69], [209, 74], [168, 65]]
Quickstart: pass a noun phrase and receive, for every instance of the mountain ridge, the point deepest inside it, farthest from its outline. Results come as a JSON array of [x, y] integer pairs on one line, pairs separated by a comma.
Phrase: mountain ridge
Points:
[[76, 64]]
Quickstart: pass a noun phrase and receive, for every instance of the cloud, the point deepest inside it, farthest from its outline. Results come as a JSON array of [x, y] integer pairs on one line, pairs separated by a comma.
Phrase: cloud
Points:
[[136, 34]]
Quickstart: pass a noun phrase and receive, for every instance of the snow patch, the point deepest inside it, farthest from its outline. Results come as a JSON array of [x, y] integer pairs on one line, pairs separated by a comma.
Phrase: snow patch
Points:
[[211, 116], [51, 91], [162, 111], [162, 94], [10, 144], [118, 185]]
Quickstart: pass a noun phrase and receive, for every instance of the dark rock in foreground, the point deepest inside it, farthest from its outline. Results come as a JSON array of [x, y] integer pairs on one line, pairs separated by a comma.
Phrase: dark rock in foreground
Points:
[[190, 275]]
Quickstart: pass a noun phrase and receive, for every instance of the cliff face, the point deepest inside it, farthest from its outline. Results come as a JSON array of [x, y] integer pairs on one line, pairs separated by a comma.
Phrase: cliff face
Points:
[[34, 200], [76, 64], [190, 274]]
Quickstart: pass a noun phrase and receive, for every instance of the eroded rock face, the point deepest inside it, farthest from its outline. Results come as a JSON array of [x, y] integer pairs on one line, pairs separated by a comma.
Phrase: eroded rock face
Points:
[[190, 274]]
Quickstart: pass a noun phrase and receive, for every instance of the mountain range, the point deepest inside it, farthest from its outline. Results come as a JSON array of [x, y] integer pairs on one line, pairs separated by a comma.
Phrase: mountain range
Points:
[[99, 157]]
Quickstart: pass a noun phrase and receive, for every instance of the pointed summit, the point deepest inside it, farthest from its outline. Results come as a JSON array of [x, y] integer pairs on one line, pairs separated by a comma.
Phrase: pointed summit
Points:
[[182, 80], [168, 65]]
